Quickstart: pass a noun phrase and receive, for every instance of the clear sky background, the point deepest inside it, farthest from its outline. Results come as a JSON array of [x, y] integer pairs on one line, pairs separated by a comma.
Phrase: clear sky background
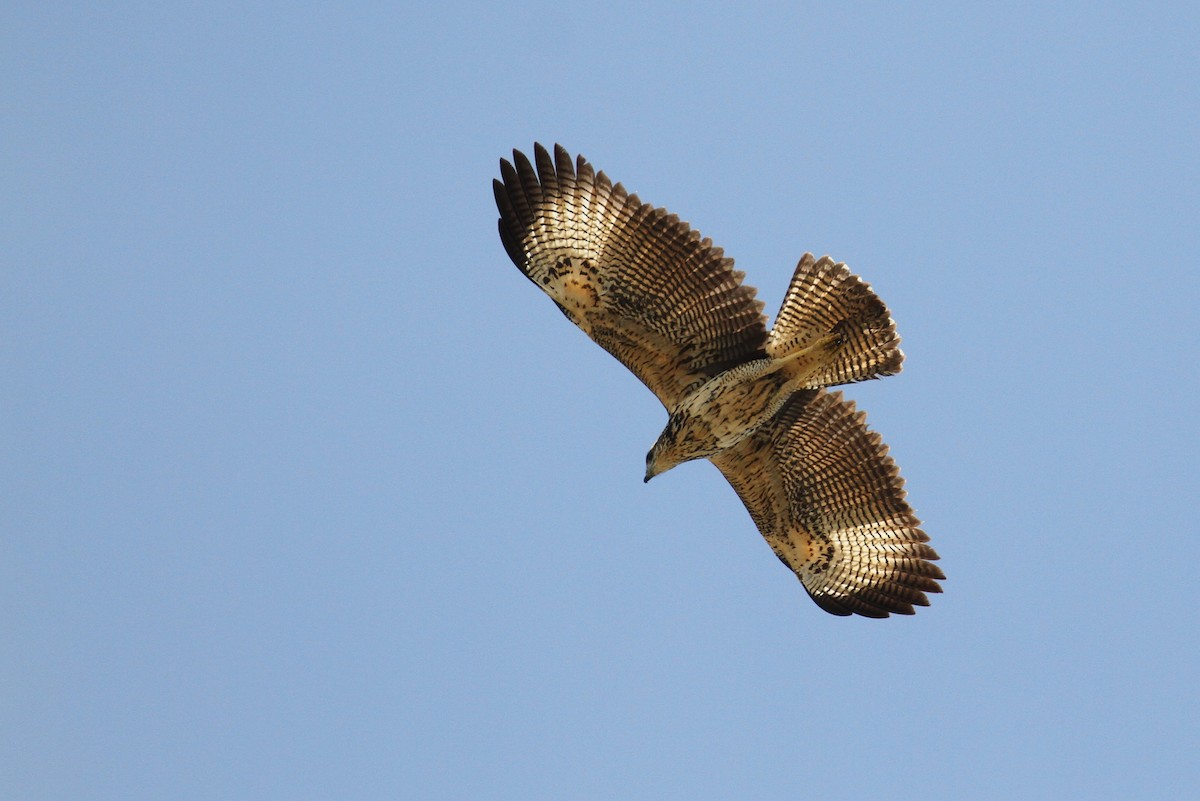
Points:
[[307, 493]]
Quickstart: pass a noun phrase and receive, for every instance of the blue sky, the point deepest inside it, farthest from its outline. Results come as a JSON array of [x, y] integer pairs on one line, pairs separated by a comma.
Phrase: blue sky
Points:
[[309, 494]]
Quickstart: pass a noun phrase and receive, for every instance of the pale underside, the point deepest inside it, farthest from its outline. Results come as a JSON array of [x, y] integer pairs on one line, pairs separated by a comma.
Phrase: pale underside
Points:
[[725, 409], [666, 303]]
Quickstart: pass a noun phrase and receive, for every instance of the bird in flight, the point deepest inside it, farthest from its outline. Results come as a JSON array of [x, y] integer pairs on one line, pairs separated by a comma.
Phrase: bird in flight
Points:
[[670, 307]]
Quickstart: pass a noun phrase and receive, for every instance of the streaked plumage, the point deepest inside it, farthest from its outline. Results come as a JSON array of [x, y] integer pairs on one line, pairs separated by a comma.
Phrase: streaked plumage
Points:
[[666, 303]]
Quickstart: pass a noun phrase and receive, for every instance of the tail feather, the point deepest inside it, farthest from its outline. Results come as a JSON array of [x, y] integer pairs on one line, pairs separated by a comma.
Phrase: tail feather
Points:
[[825, 299]]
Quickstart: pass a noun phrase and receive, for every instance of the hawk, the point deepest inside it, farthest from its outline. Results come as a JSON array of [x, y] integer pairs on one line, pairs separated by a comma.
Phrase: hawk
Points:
[[670, 307]]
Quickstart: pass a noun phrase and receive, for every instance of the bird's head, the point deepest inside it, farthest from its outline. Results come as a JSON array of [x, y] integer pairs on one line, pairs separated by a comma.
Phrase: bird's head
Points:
[[665, 453]]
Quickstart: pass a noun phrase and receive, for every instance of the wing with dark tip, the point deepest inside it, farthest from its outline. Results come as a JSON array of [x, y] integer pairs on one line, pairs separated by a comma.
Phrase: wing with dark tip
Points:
[[636, 279], [830, 502]]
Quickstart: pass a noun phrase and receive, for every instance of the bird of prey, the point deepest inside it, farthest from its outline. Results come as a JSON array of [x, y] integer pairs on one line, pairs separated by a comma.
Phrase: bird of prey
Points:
[[666, 303]]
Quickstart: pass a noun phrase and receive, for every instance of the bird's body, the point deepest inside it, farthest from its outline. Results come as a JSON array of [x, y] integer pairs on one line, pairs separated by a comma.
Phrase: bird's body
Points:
[[732, 405], [668, 305]]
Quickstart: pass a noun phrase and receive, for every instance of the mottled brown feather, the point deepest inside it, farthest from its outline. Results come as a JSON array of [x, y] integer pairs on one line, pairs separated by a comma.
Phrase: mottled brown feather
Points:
[[830, 502], [823, 296], [670, 306]]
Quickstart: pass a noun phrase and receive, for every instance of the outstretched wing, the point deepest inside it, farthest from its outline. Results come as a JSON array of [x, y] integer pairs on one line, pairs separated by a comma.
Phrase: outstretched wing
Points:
[[635, 278], [830, 502]]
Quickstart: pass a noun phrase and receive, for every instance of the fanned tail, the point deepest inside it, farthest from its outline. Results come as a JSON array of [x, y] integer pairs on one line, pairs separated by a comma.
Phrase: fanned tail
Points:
[[826, 299]]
